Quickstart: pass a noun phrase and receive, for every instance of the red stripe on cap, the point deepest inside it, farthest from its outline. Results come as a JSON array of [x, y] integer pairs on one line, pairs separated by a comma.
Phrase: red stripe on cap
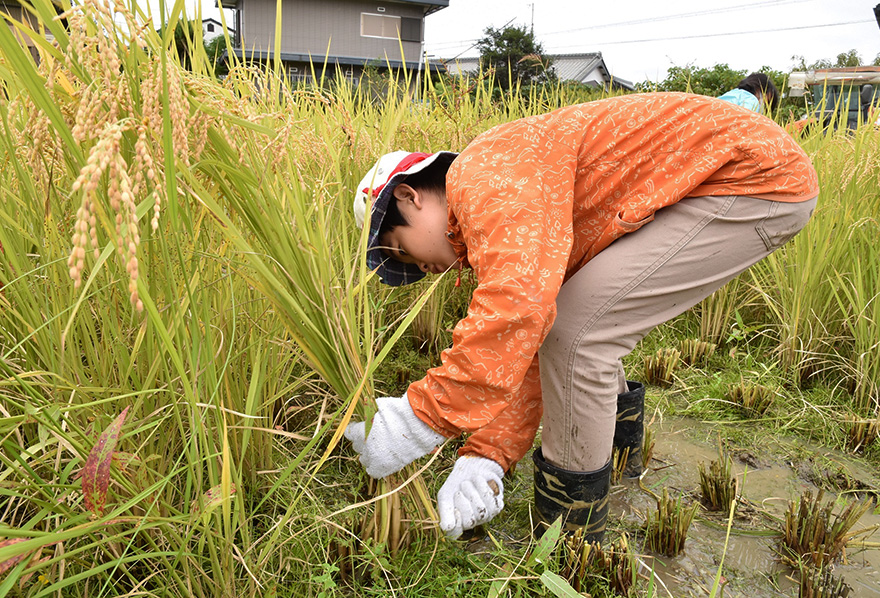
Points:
[[404, 165]]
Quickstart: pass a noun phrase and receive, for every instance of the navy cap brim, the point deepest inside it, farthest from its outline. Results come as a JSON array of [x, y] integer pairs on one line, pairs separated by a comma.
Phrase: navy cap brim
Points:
[[391, 271]]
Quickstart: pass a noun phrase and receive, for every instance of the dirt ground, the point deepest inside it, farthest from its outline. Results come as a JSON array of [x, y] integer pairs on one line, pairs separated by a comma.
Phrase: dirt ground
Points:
[[768, 482], [768, 478]]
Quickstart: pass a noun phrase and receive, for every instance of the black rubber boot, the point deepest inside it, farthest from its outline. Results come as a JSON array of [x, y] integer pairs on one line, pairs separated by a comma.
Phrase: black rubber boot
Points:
[[581, 498], [630, 427]]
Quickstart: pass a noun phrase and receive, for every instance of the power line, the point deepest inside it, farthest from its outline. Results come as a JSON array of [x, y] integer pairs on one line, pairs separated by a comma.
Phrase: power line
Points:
[[476, 41], [702, 35], [709, 12], [682, 15], [705, 35], [455, 43]]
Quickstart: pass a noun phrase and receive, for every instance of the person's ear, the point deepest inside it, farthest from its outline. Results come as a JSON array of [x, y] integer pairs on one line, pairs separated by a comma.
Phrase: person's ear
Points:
[[407, 194]]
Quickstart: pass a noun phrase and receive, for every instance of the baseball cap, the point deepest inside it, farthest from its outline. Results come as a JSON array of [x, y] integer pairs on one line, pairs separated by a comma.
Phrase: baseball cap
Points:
[[375, 191]]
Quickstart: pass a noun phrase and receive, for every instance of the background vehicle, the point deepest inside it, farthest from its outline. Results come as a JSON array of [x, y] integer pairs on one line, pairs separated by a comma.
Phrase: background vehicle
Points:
[[838, 97]]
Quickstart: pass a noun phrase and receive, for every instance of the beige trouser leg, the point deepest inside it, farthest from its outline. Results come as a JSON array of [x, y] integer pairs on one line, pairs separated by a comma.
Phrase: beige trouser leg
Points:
[[690, 250]]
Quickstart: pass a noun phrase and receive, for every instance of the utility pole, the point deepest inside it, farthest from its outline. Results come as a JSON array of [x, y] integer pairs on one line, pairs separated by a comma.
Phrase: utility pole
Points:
[[533, 16]]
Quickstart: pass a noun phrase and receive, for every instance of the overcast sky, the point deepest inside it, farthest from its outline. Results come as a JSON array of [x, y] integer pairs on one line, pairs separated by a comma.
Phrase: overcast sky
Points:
[[641, 39]]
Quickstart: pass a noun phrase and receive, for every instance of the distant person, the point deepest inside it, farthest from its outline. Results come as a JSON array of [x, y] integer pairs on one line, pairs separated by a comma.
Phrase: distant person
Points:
[[866, 103], [756, 92]]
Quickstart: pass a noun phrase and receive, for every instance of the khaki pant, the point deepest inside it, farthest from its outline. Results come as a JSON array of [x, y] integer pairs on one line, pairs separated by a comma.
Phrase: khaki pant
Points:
[[690, 250]]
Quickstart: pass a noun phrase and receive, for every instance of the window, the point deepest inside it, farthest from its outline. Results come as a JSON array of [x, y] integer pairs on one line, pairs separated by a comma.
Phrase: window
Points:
[[379, 26], [410, 30], [210, 27]]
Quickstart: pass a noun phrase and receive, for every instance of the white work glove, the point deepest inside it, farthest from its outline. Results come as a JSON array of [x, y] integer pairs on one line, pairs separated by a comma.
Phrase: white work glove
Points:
[[397, 437], [472, 494]]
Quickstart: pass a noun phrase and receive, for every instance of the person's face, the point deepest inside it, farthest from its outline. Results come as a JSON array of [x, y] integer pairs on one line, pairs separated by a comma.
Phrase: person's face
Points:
[[423, 240]]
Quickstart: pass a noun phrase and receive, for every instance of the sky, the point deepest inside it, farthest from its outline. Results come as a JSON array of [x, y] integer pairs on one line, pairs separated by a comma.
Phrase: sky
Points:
[[640, 39]]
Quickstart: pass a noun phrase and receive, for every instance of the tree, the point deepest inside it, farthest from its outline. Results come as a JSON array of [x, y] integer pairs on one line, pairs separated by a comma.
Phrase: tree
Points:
[[844, 59], [186, 35], [704, 81], [515, 56], [215, 49], [850, 58]]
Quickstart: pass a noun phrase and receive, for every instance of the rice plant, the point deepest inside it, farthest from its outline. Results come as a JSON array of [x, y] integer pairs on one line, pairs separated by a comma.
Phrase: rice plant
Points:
[[858, 296], [718, 485], [820, 583], [666, 529], [619, 457], [752, 399], [813, 536], [817, 291], [660, 366], [695, 352], [715, 312], [187, 323], [243, 291], [431, 331], [861, 433], [588, 566]]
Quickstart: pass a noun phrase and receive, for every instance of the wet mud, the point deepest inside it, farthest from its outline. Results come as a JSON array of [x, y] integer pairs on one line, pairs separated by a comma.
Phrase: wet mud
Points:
[[768, 480], [767, 483]]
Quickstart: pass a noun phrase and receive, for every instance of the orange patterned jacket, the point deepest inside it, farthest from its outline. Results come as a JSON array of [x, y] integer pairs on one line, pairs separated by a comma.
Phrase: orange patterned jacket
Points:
[[533, 200]]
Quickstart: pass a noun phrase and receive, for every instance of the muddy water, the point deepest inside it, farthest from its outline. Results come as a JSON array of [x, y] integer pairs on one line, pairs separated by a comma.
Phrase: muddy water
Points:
[[750, 565]]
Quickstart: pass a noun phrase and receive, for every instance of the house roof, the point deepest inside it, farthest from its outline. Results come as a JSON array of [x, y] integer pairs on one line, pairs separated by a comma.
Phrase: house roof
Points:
[[568, 67], [218, 23], [431, 6], [319, 61]]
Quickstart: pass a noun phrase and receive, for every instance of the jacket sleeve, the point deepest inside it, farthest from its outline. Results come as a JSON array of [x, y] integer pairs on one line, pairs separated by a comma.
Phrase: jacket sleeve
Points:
[[515, 212], [508, 437]]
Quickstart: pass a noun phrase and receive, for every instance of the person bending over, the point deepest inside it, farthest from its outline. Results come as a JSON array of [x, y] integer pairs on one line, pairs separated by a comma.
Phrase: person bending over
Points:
[[586, 228]]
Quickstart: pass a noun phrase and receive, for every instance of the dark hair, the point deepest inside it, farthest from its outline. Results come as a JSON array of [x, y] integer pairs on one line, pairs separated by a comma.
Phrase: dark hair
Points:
[[759, 83], [432, 178]]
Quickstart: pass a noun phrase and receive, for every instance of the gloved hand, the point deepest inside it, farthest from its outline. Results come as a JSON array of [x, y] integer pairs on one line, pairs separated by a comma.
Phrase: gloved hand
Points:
[[397, 437], [472, 494]]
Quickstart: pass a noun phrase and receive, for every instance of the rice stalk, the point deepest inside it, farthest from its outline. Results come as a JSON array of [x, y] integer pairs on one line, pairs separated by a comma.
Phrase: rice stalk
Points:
[[619, 458], [820, 583], [660, 366], [589, 567], [718, 485], [813, 536], [666, 529], [801, 285], [715, 312], [858, 297], [752, 399], [861, 433], [695, 352], [648, 443]]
